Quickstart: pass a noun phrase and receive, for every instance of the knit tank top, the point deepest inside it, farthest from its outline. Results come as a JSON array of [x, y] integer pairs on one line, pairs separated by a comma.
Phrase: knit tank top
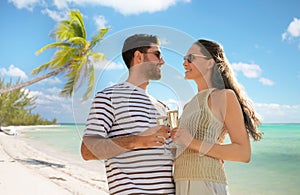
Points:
[[203, 125]]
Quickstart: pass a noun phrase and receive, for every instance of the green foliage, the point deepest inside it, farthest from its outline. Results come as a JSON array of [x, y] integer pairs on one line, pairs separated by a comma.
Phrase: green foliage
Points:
[[16, 107], [74, 52], [74, 57]]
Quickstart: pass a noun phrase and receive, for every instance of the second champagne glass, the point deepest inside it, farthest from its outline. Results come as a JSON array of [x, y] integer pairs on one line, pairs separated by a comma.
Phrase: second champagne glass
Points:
[[173, 123]]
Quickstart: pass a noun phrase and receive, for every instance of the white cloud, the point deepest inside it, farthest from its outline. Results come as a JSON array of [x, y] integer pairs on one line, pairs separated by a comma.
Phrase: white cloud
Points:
[[136, 7], [13, 71], [51, 81], [266, 81], [141, 6], [45, 97], [249, 70], [100, 21], [108, 65], [40, 100], [61, 4], [67, 107], [56, 15], [51, 105], [292, 31], [54, 90], [284, 36], [34, 93], [26, 4], [278, 113], [50, 98], [122, 6]]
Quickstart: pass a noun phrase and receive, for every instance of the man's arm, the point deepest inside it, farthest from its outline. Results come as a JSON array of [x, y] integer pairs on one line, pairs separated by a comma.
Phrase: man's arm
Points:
[[99, 148]]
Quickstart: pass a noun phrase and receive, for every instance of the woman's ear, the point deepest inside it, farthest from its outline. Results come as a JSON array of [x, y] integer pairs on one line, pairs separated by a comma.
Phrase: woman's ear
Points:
[[210, 64]]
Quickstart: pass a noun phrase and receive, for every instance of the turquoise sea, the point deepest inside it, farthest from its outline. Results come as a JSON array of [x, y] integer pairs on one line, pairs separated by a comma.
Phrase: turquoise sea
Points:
[[273, 169]]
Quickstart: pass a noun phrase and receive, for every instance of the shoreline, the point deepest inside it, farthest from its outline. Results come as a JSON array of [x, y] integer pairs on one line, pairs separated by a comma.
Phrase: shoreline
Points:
[[25, 168], [272, 166]]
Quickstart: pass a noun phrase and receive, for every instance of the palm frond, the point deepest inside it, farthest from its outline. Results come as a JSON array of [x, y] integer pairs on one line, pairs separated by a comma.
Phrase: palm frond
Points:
[[80, 73], [74, 78], [68, 88], [96, 56], [73, 56], [99, 36], [72, 27], [91, 83], [78, 41], [41, 68], [53, 45], [63, 57], [63, 31], [78, 23]]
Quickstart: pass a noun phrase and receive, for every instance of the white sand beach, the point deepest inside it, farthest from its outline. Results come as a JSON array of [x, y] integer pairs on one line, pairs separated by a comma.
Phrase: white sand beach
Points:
[[25, 169]]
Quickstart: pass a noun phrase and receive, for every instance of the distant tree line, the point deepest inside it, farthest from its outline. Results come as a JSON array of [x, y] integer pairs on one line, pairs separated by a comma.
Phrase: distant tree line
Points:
[[16, 108]]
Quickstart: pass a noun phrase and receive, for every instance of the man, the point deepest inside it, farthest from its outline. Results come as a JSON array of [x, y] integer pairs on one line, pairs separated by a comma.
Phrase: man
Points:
[[121, 128]]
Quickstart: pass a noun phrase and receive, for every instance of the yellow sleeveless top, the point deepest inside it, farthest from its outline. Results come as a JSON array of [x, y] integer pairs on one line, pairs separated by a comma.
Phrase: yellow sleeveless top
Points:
[[203, 125]]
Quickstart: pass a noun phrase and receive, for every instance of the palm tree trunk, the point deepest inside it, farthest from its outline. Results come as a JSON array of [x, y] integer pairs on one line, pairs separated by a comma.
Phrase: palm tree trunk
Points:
[[27, 83]]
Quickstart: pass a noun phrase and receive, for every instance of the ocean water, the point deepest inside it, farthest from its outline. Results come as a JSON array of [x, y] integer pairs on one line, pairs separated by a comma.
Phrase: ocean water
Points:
[[274, 167], [275, 164], [65, 138]]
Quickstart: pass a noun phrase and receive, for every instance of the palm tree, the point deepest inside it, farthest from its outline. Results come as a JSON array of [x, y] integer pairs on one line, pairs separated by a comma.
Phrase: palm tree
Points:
[[74, 56]]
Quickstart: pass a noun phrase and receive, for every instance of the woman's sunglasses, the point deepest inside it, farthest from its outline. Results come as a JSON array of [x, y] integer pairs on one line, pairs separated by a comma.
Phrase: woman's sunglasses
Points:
[[191, 57]]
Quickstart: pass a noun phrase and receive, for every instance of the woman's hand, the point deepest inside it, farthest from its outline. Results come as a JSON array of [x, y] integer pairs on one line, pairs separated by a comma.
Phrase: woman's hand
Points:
[[182, 136]]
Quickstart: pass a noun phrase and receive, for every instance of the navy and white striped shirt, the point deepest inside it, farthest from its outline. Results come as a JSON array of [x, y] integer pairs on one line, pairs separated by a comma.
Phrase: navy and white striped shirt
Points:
[[125, 109]]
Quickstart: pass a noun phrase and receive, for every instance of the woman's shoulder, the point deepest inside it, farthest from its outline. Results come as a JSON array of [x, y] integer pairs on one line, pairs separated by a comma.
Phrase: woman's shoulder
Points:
[[224, 95], [227, 92]]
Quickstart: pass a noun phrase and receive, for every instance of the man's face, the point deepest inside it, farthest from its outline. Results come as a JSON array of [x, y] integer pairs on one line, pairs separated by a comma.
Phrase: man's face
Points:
[[153, 62]]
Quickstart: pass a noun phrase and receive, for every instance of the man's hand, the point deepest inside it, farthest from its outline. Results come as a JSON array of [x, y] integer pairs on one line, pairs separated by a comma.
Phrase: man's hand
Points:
[[96, 147], [154, 136]]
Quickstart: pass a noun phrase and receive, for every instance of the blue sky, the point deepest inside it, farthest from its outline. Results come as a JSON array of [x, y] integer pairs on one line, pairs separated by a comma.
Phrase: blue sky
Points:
[[261, 39]]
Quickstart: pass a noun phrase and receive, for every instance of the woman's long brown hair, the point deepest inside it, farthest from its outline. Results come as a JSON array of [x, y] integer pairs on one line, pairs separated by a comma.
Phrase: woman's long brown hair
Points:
[[227, 80]]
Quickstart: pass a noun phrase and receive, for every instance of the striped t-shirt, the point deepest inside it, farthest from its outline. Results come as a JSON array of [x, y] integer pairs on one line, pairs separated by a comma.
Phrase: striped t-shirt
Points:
[[122, 110]]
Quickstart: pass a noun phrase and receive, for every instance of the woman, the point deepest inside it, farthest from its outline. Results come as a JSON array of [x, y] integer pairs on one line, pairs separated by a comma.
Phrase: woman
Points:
[[219, 108]]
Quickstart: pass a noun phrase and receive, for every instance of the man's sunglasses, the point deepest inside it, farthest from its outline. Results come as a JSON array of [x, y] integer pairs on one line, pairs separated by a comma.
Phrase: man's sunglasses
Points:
[[156, 53]]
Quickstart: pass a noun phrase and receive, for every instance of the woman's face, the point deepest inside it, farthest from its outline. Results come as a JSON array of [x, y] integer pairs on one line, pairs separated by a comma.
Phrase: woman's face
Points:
[[195, 63]]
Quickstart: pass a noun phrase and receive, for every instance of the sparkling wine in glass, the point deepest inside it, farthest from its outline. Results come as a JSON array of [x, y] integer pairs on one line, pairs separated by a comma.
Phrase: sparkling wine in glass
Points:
[[173, 123], [172, 118], [163, 120]]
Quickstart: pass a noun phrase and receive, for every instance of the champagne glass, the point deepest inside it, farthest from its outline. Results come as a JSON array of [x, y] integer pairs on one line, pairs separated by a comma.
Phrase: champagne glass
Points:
[[163, 120], [172, 118], [173, 123]]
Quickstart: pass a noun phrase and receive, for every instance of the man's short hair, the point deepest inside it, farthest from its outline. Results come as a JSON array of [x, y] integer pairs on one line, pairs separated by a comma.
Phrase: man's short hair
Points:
[[140, 42]]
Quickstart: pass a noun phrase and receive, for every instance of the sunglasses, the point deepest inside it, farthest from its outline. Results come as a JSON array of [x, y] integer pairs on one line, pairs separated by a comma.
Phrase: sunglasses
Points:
[[157, 54], [191, 57]]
